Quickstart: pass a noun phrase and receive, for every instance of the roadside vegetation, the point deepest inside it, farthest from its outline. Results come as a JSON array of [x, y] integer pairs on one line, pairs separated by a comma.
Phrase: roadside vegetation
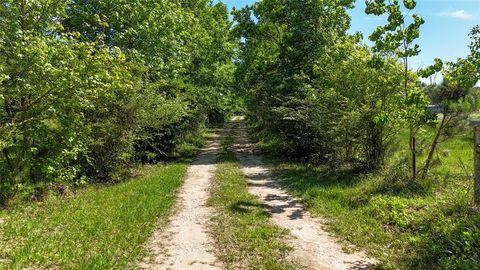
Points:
[[89, 89], [430, 225], [352, 131], [100, 227], [244, 236]]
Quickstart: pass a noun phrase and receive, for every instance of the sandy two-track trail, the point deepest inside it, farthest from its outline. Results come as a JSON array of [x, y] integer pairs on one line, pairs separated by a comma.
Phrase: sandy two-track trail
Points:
[[186, 243]]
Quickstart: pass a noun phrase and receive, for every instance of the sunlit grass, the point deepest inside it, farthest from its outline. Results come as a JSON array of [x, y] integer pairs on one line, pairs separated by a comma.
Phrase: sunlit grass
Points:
[[242, 231], [426, 225], [101, 227]]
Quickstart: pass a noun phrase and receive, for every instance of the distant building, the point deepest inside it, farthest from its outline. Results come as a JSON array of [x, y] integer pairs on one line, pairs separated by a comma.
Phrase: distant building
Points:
[[435, 108]]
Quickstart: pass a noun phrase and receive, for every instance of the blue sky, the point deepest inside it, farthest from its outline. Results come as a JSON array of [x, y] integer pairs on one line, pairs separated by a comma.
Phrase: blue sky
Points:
[[444, 34]]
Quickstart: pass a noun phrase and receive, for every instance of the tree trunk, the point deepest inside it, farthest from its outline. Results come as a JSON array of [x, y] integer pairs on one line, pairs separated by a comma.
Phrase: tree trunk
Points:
[[433, 147], [413, 143], [476, 149], [413, 150], [374, 151]]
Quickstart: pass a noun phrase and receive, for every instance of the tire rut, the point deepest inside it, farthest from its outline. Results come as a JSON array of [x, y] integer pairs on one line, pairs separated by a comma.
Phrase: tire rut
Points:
[[186, 243], [313, 246]]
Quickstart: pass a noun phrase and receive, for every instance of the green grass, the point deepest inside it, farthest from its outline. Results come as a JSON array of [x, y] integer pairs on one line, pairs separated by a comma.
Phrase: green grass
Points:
[[454, 154], [192, 142], [242, 231], [429, 226], [101, 227]]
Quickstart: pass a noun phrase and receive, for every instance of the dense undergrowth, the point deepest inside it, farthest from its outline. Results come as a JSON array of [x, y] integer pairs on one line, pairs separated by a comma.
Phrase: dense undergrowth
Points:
[[407, 225], [28, 193], [89, 89]]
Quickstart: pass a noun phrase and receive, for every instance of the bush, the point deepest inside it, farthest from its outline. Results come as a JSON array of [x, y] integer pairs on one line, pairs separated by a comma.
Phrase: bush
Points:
[[89, 87]]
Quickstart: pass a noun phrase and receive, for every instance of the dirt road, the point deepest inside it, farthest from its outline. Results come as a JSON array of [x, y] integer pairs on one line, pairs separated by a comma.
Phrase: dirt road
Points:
[[185, 244]]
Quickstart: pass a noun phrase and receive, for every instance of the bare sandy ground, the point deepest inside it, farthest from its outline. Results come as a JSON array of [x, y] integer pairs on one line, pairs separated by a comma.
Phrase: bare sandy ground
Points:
[[186, 244], [313, 247]]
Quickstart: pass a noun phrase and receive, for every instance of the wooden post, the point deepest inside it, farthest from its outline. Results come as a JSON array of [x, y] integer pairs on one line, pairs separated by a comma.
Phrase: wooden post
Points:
[[476, 154]]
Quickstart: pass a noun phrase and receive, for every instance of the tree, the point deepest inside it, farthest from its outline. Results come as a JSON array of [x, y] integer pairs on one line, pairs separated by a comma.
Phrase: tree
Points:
[[176, 47], [88, 87], [311, 88], [459, 79], [397, 37], [278, 66], [370, 86], [50, 80]]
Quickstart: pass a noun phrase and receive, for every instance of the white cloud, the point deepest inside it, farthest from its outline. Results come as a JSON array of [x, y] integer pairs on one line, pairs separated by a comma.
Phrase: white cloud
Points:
[[458, 14]]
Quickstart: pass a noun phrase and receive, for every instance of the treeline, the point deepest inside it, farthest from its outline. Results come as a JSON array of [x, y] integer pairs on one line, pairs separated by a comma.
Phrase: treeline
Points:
[[318, 93], [90, 86]]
